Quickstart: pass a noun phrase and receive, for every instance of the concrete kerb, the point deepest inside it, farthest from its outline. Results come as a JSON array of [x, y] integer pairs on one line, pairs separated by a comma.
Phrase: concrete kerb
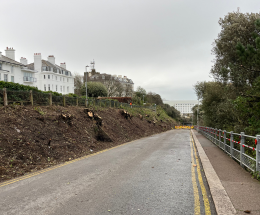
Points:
[[220, 197]]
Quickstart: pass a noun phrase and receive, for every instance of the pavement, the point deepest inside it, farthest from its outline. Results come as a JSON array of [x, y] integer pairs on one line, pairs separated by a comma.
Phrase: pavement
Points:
[[242, 190], [157, 175]]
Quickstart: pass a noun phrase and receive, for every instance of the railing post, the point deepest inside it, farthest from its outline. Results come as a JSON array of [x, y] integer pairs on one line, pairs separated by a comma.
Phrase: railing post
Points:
[[219, 137], [50, 102], [242, 148], [31, 97], [231, 142], [215, 135], [5, 97], [64, 101], [258, 154]]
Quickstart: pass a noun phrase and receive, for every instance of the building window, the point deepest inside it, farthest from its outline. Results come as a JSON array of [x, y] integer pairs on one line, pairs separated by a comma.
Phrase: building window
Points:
[[44, 87], [49, 77], [44, 76], [0, 66], [61, 88], [67, 79], [63, 80], [5, 77], [12, 79], [49, 87], [64, 89], [60, 78], [52, 77], [67, 89], [56, 88]]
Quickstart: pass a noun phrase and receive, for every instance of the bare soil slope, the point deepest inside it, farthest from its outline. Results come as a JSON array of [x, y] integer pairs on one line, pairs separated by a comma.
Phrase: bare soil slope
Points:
[[33, 138]]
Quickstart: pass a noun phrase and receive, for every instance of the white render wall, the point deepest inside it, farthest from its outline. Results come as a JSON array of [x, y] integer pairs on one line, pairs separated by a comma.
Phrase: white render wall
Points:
[[17, 72], [64, 83], [184, 106]]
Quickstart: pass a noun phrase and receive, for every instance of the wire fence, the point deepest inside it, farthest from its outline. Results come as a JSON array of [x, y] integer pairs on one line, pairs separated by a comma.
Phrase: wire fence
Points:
[[245, 149], [1, 97], [9, 97]]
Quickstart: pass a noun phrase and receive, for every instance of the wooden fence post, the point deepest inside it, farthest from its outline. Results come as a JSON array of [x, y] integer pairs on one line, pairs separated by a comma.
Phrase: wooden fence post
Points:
[[50, 103], [5, 97], [64, 101], [31, 97]]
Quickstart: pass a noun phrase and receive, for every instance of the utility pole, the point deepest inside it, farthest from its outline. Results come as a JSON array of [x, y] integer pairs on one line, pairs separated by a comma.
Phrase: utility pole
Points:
[[198, 116]]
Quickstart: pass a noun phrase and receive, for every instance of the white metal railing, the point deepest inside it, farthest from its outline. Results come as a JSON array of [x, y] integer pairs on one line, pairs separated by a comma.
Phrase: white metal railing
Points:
[[243, 148]]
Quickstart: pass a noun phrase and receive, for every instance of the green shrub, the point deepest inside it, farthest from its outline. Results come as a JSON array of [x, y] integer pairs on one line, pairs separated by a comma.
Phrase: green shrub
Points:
[[95, 89]]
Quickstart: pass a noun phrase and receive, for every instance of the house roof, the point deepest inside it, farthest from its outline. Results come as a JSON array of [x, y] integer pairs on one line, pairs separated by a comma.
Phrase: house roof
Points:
[[9, 60], [47, 63]]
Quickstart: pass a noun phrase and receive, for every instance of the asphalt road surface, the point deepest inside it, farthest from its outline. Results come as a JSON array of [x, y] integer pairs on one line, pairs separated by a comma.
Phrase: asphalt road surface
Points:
[[156, 175]]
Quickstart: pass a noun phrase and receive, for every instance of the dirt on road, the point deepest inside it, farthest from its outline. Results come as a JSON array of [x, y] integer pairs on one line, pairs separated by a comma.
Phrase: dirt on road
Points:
[[33, 138]]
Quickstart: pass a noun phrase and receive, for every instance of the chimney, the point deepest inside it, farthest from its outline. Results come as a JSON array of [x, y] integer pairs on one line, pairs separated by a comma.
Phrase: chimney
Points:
[[37, 62], [23, 61], [10, 53], [63, 65], [51, 59]]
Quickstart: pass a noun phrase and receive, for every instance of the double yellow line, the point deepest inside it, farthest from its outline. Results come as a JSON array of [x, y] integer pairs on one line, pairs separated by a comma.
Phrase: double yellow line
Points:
[[195, 163]]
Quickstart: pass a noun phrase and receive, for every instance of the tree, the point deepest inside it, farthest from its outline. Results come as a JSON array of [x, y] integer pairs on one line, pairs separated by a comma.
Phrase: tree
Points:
[[95, 89], [111, 87], [140, 92], [128, 90], [78, 83], [154, 98], [236, 28]]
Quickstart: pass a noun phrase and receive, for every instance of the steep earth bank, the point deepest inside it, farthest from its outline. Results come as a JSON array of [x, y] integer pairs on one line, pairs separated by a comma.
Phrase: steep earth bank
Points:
[[33, 138]]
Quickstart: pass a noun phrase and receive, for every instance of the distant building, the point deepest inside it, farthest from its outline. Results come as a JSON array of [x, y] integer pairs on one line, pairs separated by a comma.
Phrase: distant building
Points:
[[104, 78], [13, 71], [43, 74], [184, 106], [50, 76]]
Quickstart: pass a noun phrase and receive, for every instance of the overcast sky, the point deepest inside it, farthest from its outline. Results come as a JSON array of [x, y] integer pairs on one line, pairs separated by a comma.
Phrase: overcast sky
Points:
[[164, 46]]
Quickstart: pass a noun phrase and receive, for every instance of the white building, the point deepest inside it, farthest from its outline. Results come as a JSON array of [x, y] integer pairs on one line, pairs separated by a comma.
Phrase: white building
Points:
[[184, 106], [43, 74], [13, 71], [50, 76]]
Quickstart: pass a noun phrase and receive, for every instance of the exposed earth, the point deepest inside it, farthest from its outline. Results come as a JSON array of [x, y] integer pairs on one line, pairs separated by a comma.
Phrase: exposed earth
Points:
[[33, 138]]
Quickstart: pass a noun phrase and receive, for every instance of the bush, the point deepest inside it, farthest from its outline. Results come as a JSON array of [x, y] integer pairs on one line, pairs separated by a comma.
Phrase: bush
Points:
[[15, 86], [95, 89]]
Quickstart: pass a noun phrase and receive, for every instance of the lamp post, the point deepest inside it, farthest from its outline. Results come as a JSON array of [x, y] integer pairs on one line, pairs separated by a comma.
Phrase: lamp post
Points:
[[86, 85], [198, 117]]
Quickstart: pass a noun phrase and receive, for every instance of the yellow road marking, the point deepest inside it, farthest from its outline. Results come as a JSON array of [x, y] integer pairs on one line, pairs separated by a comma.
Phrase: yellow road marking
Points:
[[57, 166], [194, 184], [203, 189]]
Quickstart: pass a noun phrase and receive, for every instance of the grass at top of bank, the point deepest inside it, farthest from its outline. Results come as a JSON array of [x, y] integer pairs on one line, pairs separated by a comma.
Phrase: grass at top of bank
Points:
[[147, 113]]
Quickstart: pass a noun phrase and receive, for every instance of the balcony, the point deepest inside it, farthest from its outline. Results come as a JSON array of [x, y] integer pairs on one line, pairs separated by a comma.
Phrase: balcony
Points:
[[29, 79], [25, 69]]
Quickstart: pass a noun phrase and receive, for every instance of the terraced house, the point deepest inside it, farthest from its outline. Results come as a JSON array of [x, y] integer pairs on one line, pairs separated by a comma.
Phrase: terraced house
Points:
[[117, 85], [51, 77], [43, 74], [16, 72]]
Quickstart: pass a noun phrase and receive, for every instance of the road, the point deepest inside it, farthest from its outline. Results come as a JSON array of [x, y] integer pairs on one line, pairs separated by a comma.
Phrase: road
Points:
[[154, 175]]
